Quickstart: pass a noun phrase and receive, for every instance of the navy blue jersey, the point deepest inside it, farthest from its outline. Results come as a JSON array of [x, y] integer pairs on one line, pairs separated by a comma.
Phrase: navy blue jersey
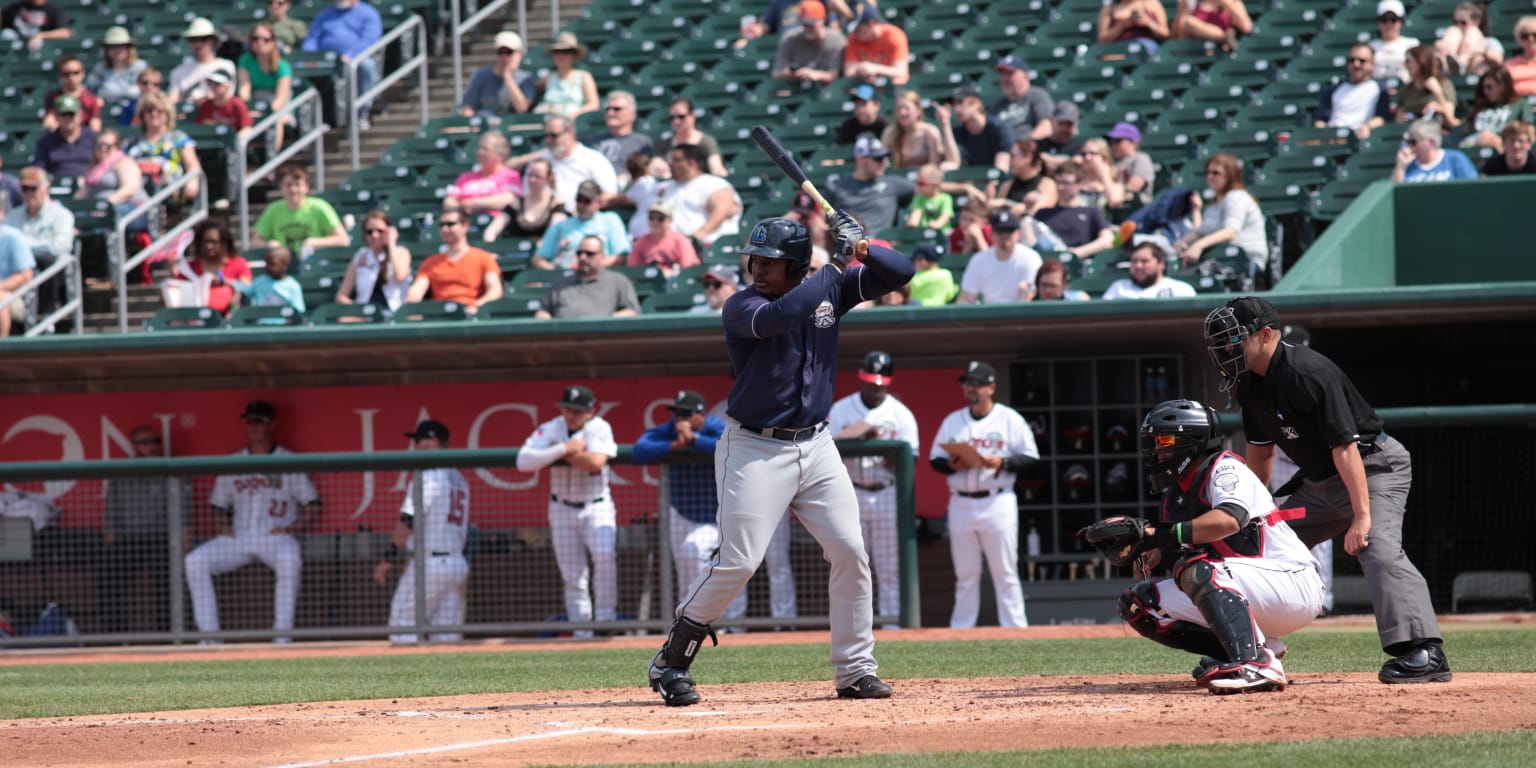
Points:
[[692, 485]]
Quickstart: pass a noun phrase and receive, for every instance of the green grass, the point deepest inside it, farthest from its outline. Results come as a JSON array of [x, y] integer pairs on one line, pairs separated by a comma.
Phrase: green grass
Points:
[[52, 690]]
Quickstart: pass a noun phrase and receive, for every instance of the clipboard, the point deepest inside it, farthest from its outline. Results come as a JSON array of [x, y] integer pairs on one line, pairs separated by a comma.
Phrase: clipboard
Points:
[[963, 450], [855, 431]]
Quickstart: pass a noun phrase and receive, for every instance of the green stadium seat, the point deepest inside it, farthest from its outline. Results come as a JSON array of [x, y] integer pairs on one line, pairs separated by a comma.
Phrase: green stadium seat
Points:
[[1251, 74], [1277, 48], [1247, 144], [431, 312], [184, 319], [998, 38], [1136, 105], [1200, 51], [1032, 13], [345, 314], [1309, 169], [518, 305], [452, 125], [418, 153], [672, 301], [647, 279], [256, 317], [1330, 202], [1279, 199], [1094, 80], [537, 279], [1169, 146], [1230, 99], [1175, 76], [1292, 20], [1273, 116]]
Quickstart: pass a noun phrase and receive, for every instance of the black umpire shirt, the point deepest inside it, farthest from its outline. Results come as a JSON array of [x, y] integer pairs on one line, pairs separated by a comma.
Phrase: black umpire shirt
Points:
[[1305, 405]]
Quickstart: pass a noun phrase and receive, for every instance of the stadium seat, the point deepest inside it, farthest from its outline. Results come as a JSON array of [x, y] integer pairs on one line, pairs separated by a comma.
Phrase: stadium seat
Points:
[[1249, 73], [254, 317], [1279, 198], [510, 308], [647, 279], [672, 301], [1174, 75], [537, 279], [1273, 116], [1226, 97], [431, 312], [345, 314], [184, 319]]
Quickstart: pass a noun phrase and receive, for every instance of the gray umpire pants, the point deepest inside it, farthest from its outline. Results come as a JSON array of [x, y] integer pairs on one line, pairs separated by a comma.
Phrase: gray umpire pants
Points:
[[1399, 594]]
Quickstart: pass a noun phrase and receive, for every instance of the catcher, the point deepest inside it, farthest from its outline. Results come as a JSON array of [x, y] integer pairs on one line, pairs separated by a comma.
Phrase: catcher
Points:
[[1241, 577]]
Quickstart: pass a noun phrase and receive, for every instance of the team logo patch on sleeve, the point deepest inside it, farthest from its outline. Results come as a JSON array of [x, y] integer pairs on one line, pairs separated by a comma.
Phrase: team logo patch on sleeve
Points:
[[825, 316], [1226, 480]]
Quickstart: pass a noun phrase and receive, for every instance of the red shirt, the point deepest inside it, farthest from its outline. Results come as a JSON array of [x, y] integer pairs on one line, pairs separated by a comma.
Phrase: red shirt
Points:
[[90, 106], [220, 296], [233, 114], [957, 237]]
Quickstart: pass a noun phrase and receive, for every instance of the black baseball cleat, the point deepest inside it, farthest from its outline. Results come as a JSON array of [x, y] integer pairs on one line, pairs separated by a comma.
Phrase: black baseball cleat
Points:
[[675, 686], [1425, 664], [866, 687], [1203, 669]]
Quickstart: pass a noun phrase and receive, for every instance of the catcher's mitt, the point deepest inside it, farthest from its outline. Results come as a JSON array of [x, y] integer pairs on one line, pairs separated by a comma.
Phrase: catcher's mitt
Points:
[[1120, 539]]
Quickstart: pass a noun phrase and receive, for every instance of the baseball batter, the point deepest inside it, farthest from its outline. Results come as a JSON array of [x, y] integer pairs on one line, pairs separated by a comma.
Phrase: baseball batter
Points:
[[982, 447], [776, 453], [871, 413], [577, 446], [1241, 577], [257, 516], [693, 531], [444, 528]]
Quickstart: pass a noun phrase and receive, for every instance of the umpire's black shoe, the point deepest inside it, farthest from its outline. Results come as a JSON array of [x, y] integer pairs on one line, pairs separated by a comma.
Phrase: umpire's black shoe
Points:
[[675, 686], [1425, 664], [866, 687]]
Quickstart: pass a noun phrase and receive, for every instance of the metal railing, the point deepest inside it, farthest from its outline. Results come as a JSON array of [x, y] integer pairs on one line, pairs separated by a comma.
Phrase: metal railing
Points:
[[126, 264], [76, 305], [417, 63], [244, 179], [462, 26]]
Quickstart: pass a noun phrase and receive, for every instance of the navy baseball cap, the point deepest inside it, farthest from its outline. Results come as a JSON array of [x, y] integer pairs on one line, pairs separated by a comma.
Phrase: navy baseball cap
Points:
[[578, 397], [868, 145], [869, 15], [977, 372], [259, 410], [429, 428], [1011, 62], [964, 92], [688, 402], [1004, 220], [928, 252]]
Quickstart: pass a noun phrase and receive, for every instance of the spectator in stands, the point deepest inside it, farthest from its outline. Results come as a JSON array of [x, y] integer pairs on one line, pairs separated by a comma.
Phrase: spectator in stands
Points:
[[1145, 21], [647, 174], [1422, 159], [1004, 273], [1467, 45], [136, 536], [1516, 158], [972, 233], [274, 287], [290, 32], [1028, 187], [783, 17], [557, 249], [460, 272], [49, 230], [720, 282], [299, 221], [189, 80], [567, 91], [1522, 67], [979, 140], [1085, 230], [1391, 47], [1232, 216], [1358, 102], [165, 154], [503, 88], [620, 140], [685, 130], [114, 79], [34, 21], [662, 246], [1063, 144], [931, 206], [350, 27], [931, 284], [223, 107], [150, 81], [1147, 281], [538, 209], [866, 117], [1219, 21], [875, 49], [1051, 283], [868, 192], [66, 150], [572, 161], [10, 189], [214, 253], [814, 52], [490, 185], [266, 75], [1494, 104], [590, 291], [705, 207], [71, 73], [114, 177], [1133, 167], [380, 272], [1101, 188], [1023, 107], [17, 268], [1427, 93], [913, 141]]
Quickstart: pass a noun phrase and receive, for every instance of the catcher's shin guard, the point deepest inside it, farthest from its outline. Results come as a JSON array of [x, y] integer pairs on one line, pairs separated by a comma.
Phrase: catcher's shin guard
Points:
[[669, 670], [1224, 610], [1139, 607]]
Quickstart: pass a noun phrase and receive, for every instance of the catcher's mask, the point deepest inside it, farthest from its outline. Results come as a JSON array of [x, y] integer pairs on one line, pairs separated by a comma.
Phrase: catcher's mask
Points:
[[1174, 436], [1228, 326]]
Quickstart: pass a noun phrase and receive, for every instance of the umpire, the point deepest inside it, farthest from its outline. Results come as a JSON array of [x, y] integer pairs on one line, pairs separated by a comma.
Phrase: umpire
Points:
[[1354, 478]]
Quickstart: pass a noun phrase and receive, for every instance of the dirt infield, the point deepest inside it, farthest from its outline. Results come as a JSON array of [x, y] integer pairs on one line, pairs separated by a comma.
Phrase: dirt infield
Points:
[[758, 720]]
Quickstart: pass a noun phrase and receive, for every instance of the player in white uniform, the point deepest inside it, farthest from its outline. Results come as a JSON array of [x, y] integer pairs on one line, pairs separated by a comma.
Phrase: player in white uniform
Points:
[[1242, 578], [444, 528], [871, 413], [582, 519], [983, 510], [257, 514]]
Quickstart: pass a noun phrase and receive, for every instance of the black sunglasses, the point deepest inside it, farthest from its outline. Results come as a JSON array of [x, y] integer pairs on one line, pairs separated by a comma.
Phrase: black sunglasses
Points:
[[589, 253]]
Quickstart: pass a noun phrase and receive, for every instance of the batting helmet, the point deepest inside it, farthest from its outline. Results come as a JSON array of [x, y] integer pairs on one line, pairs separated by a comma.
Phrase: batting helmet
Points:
[[1226, 327], [878, 369], [1174, 435], [781, 238]]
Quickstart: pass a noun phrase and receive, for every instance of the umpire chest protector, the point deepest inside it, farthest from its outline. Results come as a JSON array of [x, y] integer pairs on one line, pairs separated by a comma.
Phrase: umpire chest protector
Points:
[[1184, 501]]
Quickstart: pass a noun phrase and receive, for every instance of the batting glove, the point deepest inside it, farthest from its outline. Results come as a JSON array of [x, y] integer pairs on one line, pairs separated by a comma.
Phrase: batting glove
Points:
[[848, 233]]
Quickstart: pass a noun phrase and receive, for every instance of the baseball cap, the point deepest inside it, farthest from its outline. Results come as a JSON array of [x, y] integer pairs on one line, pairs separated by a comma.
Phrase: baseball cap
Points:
[[869, 146], [589, 188], [430, 428], [688, 402], [1390, 6], [661, 206], [878, 368], [578, 397], [509, 39], [221, 76], [259, 410], [928, 252], [1066, 111], [964, 92], [1124, 131], [1253, 312], [724, 273], [1011, 62], [979, 373], [803, 202], [810, 10], [869, 15], [1003, 220], [864, 92], [66, 103]]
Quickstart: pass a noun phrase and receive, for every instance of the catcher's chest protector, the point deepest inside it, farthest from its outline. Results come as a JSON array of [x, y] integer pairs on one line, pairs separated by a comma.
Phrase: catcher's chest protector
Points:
[[1180, 505]]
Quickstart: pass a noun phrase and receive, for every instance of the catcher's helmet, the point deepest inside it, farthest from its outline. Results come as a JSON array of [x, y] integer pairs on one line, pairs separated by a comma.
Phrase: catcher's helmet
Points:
[[1174, 435], [780, 238], [1226, 327], [878, 368]]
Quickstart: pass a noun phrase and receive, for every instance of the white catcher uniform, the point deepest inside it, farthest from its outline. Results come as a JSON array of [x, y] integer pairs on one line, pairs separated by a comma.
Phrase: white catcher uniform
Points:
[[259, 503], [443, 529], [582, 518], [874, 484], [984, 513]]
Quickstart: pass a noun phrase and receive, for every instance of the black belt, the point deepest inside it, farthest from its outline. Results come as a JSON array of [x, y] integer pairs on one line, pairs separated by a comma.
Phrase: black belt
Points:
[[791, 434], [576, 504], [862, 486], [441, 554], [979, 494]]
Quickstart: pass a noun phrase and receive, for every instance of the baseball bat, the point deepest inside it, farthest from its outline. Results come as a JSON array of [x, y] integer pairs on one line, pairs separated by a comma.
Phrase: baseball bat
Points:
[[769, 144]]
